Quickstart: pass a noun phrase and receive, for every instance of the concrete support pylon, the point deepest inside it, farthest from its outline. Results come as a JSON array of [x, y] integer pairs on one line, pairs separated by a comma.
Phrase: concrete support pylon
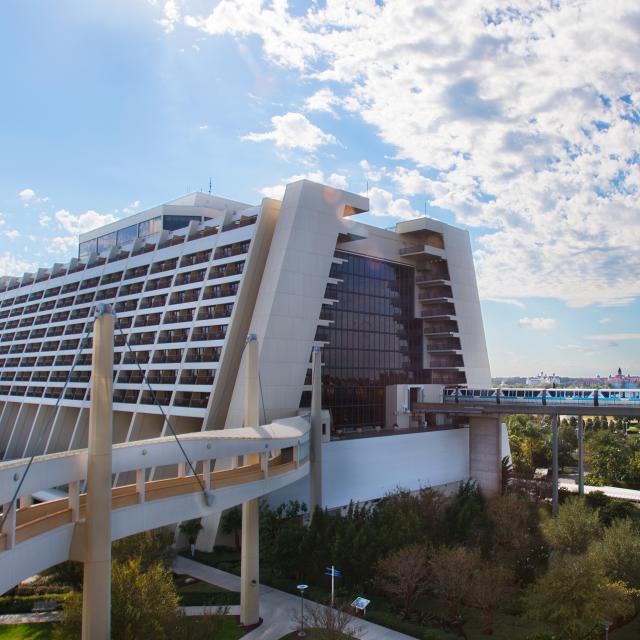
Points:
[[96, 604], [555, 497], [580, 456], [250, 553], [315, 493]]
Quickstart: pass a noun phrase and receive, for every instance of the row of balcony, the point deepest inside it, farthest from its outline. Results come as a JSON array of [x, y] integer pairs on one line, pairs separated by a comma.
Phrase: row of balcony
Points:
[[110, 293], [116, 254]]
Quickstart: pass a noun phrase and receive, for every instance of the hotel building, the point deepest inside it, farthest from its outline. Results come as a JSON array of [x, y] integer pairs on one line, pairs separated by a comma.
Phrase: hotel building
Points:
[[395, 313]]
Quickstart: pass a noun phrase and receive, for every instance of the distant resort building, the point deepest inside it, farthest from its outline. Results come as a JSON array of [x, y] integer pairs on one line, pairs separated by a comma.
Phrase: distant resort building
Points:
[[543, 380], [617, 381]]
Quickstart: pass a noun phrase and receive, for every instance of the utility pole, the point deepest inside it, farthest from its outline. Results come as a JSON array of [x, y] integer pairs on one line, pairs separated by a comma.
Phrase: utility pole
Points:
[[96, 602], [316, 430], [249, 557], [580, 455], [554, 482]]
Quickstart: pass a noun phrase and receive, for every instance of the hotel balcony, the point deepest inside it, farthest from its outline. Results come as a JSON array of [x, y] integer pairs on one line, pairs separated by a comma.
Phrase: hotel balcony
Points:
[[438, 310], [165, 265]]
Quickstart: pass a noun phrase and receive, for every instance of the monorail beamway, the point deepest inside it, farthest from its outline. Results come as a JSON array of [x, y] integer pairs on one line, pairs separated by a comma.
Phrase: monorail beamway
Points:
[[496, 403]]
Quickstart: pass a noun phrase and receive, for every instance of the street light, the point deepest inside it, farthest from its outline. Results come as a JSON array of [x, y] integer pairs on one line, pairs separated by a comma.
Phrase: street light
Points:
[[302, 588], [607, 624]]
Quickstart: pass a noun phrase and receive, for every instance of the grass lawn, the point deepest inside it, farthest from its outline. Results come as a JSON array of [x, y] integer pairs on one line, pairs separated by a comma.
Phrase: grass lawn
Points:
[[194, 592], [40, 631], [230, 629]]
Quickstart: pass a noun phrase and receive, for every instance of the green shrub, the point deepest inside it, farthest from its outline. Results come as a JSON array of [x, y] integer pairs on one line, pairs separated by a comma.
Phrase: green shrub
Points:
[[25, 604]]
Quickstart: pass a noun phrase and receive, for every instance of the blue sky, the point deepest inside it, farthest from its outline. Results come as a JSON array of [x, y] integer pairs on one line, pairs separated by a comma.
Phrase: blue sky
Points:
[[520, 124]]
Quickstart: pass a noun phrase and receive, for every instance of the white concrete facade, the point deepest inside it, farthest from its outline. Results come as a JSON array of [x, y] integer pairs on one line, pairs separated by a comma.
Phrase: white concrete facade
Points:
[[186, 300]]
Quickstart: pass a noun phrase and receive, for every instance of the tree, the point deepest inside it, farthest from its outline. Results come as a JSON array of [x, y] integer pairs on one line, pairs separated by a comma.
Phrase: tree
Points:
[[191, 529], [574, 528], [452, 572], [465, 518], [150, 547], [330, 623], [619, 552], [575, 595], [143, 604], [403, 575], [608, 455], [488, 589], [231, 523]]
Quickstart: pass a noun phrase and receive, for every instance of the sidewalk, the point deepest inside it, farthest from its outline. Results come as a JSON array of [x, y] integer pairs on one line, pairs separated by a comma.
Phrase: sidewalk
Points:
[[613, 492], [26, 618], [276, 607]]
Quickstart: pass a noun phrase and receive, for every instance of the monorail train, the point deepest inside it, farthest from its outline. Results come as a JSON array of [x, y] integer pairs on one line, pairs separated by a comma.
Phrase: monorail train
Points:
[[576, 397]]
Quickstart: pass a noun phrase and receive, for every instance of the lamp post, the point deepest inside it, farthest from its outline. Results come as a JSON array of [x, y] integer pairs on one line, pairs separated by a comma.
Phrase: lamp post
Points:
[[607, 624], [302, 588]]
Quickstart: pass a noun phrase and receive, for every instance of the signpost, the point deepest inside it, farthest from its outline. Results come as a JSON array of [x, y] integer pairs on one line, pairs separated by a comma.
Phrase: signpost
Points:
[[334, 573], [361, 604]]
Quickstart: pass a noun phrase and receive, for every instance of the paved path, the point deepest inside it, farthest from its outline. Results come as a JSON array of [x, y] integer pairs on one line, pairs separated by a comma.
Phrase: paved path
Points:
[[277, 608], [24, 618], [612, 492]]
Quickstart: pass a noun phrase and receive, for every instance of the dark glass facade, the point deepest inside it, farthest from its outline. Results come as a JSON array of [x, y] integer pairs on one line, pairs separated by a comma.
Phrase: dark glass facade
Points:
[[374, 339]]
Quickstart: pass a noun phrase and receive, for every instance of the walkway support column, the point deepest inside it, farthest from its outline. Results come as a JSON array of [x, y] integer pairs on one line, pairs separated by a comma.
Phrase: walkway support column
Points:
[[315, 498], [96, 604], [249, 557], [580, 456], [554, 481]]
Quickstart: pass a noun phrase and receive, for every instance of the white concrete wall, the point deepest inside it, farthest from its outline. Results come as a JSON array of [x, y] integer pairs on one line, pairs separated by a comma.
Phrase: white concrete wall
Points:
[[368, 468], [467, 303], [291, 293]]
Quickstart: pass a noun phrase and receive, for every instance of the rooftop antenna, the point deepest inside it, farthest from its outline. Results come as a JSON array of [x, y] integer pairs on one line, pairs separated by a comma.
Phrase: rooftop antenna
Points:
[[209, 186], [367, 188], [425, 208]]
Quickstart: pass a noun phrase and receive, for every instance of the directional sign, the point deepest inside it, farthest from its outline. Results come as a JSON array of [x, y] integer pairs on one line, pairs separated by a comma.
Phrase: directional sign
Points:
[[331, 571]]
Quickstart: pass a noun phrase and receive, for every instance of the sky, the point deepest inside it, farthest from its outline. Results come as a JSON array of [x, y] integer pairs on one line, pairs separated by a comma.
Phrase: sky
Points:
[[518, 121]]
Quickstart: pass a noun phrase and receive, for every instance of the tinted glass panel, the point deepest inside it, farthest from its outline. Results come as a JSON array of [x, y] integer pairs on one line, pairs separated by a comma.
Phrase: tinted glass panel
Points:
[[127, 235], [106, 242], [86, 248], [374, 340], [149, 227], [171, 223]]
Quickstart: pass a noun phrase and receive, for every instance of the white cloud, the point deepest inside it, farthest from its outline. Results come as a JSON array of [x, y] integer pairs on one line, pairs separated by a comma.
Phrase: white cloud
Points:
[[608, 337], [10, 265], [276, 191], [322, 100], [44, 219], [203, 127], [520, 120], [606, 320], [538, 324], [293, 130], [171, 15], [511, 301], [131, 208], [382, 203], [82, 222], [29, 196], [12, 234], [63, 246]]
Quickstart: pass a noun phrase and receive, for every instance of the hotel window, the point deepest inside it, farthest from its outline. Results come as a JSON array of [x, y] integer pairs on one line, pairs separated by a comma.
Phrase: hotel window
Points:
[[86, 248], [171, 223], [127, 235], [106, 242], [149, 227]]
